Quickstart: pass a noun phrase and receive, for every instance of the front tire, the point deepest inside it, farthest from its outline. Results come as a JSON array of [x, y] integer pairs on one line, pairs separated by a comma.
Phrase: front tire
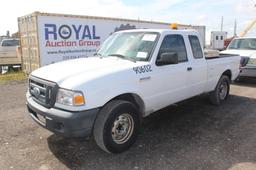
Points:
[[116, 127], [221, 92]]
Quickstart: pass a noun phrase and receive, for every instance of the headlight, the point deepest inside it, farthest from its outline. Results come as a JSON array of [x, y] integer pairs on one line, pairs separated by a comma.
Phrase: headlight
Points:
[[252, 61], [70, 98]]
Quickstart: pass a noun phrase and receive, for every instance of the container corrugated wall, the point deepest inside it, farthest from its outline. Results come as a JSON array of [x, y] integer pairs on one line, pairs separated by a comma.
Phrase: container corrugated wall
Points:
[[29, 43]]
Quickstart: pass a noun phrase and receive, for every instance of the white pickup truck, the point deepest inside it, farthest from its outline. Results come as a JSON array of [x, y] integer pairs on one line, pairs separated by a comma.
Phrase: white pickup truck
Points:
[[246, 48], [134, 74]]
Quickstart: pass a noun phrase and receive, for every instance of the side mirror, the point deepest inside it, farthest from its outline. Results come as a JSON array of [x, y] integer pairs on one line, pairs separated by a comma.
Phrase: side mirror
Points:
[[167, 58]]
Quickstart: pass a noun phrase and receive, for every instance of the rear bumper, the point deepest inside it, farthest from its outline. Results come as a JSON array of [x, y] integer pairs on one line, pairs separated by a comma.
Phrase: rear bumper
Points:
[[65, 123], [248, 71]]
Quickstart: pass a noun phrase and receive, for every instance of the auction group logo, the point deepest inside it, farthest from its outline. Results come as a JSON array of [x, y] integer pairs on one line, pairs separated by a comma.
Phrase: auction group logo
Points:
[[79, 35]]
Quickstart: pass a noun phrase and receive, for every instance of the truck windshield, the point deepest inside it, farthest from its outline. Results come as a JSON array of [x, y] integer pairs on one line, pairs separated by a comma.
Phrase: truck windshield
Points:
[[6, 43], [246, 43], [129, 45]]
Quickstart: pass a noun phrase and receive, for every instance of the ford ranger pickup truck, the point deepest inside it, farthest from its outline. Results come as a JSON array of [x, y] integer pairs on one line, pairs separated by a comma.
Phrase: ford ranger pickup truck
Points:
[[133, 74], [246, 48]]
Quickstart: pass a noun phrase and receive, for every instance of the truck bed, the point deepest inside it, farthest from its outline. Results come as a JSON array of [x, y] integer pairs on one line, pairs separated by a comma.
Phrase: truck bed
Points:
[[220, 56], [217, 64], [10, 56]]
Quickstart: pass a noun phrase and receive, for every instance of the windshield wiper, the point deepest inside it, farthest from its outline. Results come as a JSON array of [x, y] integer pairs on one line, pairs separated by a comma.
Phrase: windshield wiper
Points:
[[232, 48], [97, 54], [250, 48], [123, 57]]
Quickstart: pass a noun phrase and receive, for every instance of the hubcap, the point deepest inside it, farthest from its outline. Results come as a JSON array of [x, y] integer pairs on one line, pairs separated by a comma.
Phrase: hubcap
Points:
[[122, 128], [223, 90]]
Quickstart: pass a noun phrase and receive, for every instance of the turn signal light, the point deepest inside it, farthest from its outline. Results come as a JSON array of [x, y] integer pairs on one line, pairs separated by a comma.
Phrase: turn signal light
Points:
[[78, 99]]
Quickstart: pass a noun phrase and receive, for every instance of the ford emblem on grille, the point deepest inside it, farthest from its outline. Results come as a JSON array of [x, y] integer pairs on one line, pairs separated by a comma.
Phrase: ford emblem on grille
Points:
[[36, 91]]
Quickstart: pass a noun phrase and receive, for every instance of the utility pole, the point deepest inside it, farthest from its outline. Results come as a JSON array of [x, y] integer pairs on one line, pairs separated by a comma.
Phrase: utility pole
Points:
[[235, 27], [8, 33], [221, 26]]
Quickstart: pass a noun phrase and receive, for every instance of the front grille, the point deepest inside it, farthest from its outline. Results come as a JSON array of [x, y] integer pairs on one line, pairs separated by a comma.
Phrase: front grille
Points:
[[42, 91]]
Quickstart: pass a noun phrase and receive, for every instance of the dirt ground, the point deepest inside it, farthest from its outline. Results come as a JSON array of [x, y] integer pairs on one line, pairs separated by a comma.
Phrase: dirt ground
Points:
[[191, 135]]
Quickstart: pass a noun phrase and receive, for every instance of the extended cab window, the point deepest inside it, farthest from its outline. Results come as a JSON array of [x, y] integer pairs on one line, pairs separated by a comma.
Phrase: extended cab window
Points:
[[174, 43], [196, 47]]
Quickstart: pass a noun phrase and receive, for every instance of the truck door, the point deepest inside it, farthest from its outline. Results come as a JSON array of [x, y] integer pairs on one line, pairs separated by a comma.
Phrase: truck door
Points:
[[170, 79], [197, 77]]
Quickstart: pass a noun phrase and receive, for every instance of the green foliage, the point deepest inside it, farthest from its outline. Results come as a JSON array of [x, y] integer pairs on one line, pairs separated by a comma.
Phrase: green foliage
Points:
[[12, 76]]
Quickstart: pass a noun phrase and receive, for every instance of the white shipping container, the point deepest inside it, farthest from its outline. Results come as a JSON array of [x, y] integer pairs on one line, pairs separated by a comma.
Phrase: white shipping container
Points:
[[48, 38]]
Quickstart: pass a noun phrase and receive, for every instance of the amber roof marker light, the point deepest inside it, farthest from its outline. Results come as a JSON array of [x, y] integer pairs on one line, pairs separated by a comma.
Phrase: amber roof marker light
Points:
[[174, 26]]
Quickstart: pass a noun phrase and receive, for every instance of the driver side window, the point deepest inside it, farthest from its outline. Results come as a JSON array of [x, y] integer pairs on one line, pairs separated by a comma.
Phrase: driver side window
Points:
[[174, 44]]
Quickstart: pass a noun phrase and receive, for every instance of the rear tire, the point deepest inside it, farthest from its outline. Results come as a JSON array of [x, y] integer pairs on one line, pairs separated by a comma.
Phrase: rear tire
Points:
[[221, 92], [116, 127]]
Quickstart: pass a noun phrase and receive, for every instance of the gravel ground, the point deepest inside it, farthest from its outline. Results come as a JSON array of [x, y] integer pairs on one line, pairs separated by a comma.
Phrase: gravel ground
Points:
[[191, 135]]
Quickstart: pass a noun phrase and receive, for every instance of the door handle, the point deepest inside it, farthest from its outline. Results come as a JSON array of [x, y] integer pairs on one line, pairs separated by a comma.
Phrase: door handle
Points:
[[189, 68]]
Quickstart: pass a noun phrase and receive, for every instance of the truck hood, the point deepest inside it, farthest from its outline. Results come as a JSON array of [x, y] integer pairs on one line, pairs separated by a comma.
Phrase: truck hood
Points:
[[82, 70], [243, 53]]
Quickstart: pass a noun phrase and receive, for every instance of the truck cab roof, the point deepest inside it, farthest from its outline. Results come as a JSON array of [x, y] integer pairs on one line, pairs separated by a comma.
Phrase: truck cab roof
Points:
[[184, 31]]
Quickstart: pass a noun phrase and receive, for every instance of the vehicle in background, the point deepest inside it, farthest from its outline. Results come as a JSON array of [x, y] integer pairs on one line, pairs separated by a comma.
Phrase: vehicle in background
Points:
[[217, 40], [48, 38], [246, 48], [134, 74], [10, 54], [9, 43], [228, 41]]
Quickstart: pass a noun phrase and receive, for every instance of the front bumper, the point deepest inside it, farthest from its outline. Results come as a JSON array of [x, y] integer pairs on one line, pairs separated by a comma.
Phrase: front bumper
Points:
[[248, 71], [65, 123]]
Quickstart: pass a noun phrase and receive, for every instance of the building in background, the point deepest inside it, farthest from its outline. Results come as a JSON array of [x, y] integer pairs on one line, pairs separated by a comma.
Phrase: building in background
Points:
[[217, 40]]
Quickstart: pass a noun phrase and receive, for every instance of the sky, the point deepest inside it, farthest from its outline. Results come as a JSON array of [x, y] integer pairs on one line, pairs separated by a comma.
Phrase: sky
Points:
[[194, 12]]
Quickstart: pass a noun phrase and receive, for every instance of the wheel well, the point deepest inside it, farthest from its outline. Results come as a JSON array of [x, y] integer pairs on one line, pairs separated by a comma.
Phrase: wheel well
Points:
[[228, 73], [133, 98]]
